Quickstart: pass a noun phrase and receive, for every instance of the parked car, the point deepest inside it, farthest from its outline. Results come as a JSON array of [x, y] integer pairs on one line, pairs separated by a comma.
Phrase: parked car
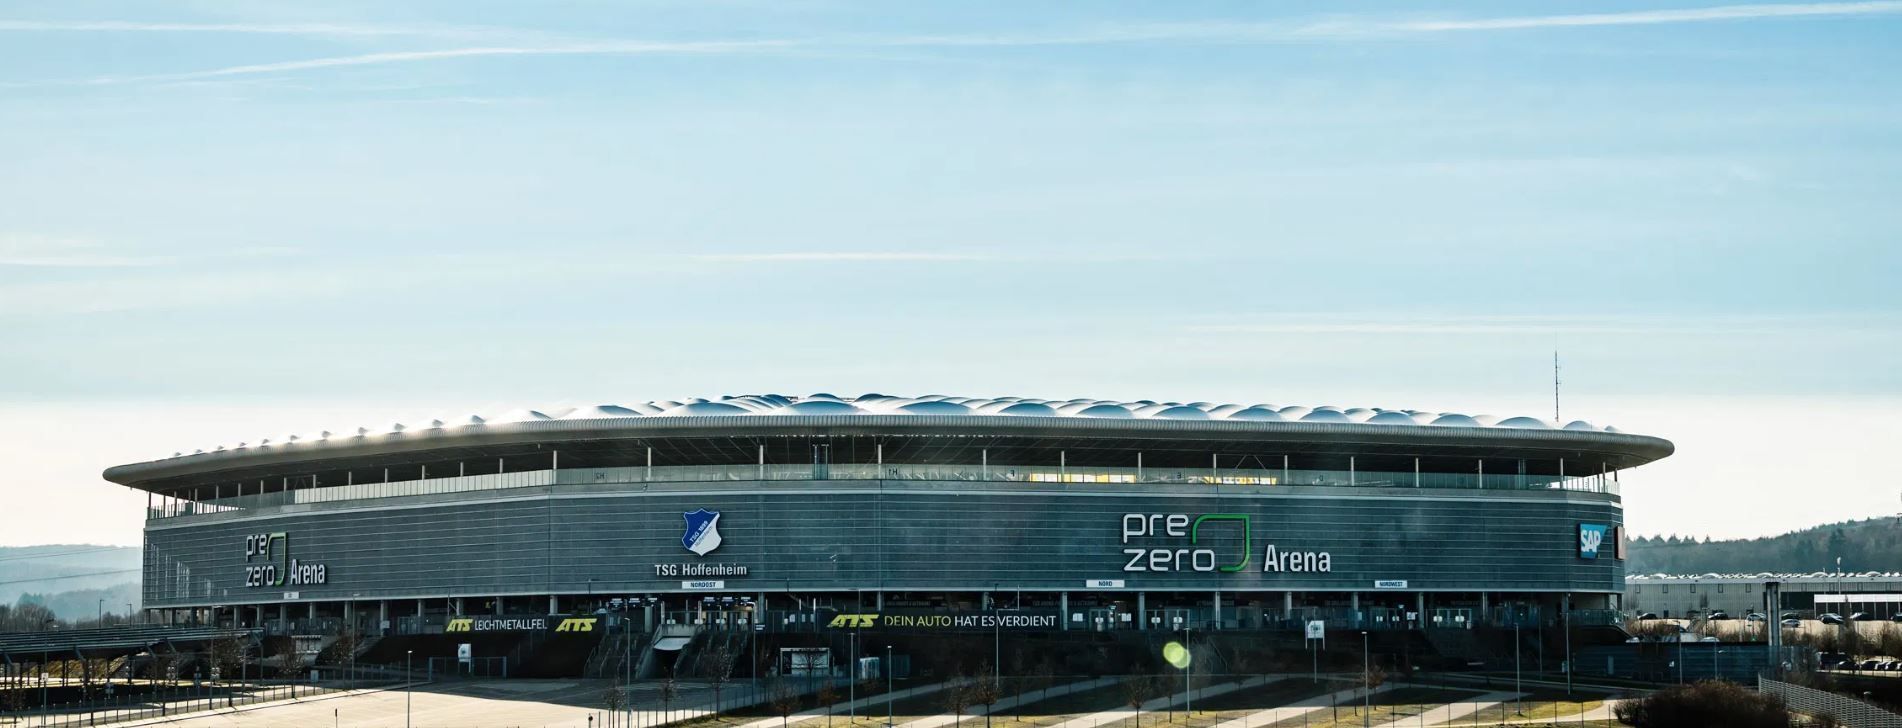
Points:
[[1754, 617], [1831, 660], [1867, 664], [1792, 623], [1830, 618], [1642, 616], [1897, 617], [1861, 617], [1718, 614], [1791, 615]]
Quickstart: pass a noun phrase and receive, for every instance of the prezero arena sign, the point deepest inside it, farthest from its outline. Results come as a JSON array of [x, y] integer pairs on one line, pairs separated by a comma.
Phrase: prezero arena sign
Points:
[[1142, 531]]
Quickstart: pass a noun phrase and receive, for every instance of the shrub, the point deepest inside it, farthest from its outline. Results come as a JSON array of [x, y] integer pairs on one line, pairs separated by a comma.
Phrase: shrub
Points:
[[1709, 703]]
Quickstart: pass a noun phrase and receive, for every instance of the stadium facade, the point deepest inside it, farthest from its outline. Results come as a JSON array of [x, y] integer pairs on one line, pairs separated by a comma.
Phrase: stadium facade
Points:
[[769, 511]]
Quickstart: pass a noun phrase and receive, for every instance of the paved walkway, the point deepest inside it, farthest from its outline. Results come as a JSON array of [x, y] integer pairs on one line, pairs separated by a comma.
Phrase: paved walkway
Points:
[[1453, 711], [1110, 716], [776, 721], [1602, 712], [227, 713], [1297, 709], [1006, 704]]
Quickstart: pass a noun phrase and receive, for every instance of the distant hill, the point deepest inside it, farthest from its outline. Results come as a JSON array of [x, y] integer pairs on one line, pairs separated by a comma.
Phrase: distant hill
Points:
[[1870, 545], [48, 572]]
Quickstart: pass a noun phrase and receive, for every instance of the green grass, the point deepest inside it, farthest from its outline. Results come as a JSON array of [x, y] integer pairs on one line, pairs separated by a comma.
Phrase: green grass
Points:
[[1390, 705]]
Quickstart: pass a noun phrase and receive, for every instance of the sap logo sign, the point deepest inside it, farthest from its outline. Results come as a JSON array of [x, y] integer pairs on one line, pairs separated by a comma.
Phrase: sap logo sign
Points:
[[1590, 537]]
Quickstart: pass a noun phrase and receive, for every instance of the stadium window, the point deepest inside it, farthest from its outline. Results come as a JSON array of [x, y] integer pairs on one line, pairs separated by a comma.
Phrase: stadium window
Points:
[[1747, 588], [1693, 588], [1720, 588], [1664, 588]]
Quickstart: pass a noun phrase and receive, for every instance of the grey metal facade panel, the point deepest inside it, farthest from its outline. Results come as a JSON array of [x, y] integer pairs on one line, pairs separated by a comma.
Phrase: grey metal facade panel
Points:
[[1639, 448], [844, 535]]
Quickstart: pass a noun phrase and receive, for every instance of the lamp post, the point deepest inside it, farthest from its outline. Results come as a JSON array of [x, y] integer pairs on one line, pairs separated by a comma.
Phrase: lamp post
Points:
[[409, 676], [1565, 618], [888, 686], [1518, 657], [1366, 680]]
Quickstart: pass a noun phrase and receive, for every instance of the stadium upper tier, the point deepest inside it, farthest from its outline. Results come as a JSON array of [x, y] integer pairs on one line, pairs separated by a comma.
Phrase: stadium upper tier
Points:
[[934, 429]]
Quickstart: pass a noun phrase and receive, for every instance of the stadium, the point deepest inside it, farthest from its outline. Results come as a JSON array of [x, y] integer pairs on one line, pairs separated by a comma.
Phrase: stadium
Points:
[[770, 514]]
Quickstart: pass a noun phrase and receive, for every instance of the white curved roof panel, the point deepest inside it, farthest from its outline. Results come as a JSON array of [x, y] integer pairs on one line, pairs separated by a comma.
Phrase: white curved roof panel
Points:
[[933, 405]]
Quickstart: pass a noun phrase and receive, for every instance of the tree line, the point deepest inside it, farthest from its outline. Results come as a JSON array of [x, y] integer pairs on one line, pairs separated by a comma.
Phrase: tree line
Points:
[[1873, 544]]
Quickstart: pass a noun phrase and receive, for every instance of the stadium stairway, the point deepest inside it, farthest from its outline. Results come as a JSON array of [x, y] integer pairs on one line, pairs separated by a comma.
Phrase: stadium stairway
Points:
[[558, 655], [608, 657]]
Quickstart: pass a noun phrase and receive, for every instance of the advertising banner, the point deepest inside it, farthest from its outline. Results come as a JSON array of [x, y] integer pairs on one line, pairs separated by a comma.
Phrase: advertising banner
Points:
[[532, 623], [928, 621]]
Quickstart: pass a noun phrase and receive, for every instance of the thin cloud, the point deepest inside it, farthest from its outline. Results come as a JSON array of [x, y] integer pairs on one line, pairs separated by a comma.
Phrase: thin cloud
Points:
[[41, 251], [308, 29], [1341, 29], [1353, 27], [908, 257], [1546, 325], [1656, 17], [843, 257], [369, 59]]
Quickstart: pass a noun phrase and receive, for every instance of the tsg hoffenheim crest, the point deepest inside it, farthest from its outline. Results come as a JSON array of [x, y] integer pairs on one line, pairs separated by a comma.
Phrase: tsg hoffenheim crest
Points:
[[703, 531]]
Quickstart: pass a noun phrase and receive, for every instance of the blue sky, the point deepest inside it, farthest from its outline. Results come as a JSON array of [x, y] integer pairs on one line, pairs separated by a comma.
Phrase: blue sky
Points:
[[222, 218]]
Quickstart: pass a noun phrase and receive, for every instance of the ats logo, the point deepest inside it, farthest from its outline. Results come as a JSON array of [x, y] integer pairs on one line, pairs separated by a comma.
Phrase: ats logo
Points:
[[703, 531], [848, 621]]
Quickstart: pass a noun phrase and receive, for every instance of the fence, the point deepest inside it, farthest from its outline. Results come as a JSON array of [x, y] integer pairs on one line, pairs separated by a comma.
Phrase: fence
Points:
[[236, 496], [1810, 701], [178, 700]]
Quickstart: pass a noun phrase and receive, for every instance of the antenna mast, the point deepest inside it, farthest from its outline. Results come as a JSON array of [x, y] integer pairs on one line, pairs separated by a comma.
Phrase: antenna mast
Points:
[[1555, 387]]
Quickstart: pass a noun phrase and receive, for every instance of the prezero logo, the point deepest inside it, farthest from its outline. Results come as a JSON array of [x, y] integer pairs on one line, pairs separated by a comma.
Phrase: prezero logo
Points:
[[1230, 534], [1590, 537], [703, 531], [278, 568], [1178, 525]]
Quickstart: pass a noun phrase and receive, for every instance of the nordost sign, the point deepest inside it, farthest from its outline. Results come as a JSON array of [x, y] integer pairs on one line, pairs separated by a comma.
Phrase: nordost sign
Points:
[[1201, 552], [278, 568]]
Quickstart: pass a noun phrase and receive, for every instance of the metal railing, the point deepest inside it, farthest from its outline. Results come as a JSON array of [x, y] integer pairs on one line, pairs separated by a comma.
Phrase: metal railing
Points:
[[1058, 475], [170, 701], [1810, 701]]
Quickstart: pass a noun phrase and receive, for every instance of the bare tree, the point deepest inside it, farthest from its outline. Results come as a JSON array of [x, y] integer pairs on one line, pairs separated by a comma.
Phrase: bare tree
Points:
[[828, 696], [669, 691], [957, 696], [1046, 676], [984, 690], [1135, 693], [717, 667], [784, 700], [613, 700]]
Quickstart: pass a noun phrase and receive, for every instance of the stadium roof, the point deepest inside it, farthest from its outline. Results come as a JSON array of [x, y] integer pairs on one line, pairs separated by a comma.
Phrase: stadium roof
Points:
[[828, 414]]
